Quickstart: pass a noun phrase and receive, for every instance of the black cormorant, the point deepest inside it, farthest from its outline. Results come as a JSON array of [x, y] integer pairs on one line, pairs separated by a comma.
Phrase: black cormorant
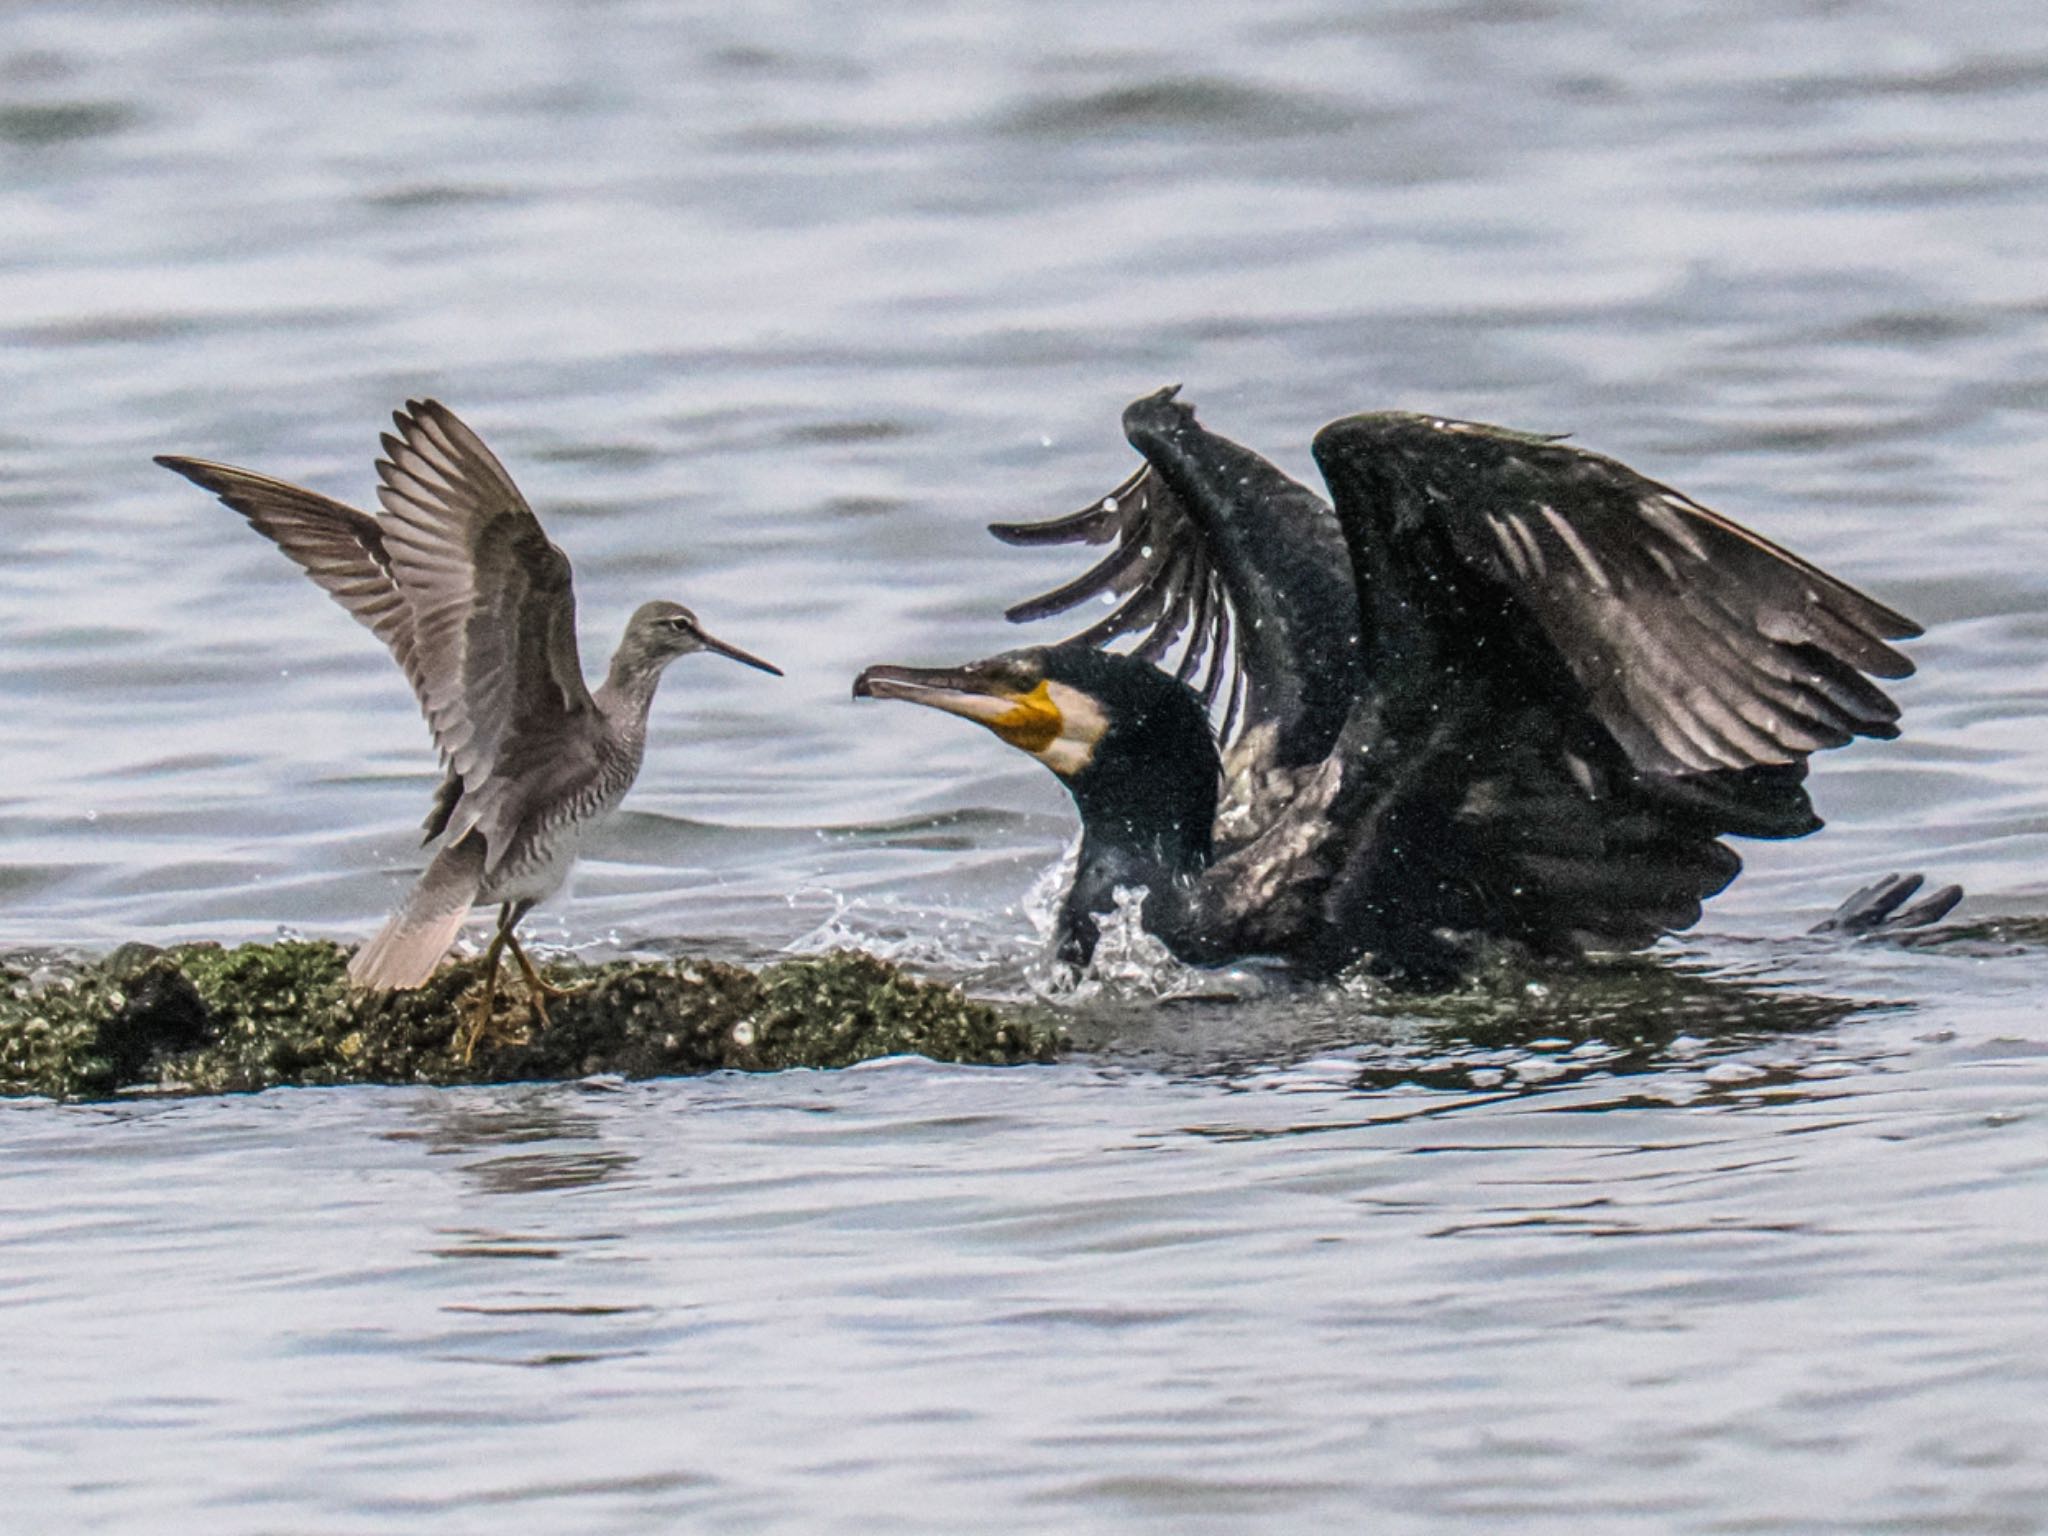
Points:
[[1497, 689]]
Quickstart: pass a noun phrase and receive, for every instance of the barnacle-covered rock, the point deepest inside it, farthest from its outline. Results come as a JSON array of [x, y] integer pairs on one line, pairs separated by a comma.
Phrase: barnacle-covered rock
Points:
[[202, 1019]]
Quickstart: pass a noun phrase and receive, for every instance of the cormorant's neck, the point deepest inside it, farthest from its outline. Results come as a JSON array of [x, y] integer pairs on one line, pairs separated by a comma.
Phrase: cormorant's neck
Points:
[[1147, 827], [1174, 839]]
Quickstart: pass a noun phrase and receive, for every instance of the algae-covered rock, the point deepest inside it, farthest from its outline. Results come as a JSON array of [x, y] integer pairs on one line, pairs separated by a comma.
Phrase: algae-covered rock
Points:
[[82, 1033], [202, 1019], [847, 1007]]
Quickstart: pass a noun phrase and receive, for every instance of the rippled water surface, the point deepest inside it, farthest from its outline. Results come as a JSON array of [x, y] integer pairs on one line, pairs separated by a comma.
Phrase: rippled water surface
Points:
[[770, 309]]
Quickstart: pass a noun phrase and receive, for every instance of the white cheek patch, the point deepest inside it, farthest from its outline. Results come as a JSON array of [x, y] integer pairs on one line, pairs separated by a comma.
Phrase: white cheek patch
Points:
[[1082, 725]]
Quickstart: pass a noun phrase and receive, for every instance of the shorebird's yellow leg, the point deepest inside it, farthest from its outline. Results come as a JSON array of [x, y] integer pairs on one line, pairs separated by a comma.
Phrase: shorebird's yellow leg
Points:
[[478, 1025], [538, 987]]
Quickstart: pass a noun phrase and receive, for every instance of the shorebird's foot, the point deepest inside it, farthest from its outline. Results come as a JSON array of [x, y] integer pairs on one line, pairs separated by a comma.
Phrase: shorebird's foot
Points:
[[481, 1023], [537, 1007], [481, 1026], [538, 988]]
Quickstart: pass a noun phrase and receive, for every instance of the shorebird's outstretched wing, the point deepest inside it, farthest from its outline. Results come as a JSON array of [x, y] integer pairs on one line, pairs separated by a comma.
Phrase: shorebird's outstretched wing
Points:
[[494, 612], [340, 548], [1698, 645], [1217, 551], [457, 579]]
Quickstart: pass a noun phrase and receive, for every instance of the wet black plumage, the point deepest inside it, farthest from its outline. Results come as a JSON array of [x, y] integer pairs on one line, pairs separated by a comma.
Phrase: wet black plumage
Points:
[[1497, 688]]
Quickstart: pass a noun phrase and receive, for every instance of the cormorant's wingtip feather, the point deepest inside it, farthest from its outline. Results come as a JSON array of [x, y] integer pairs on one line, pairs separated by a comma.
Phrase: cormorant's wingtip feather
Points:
[[1096, 523], [1879, 620], [1044, 606], [1024, 535]]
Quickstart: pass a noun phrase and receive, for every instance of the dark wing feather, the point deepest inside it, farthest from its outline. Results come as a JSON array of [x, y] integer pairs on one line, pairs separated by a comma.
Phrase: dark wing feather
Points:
[[1096, 523], [1158, 573], [1216, 551], [1699, 645], [1523, 825], [1125, 569]]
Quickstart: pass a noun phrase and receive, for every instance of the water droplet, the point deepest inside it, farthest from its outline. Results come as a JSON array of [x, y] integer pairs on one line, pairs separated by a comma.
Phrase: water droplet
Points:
[[1726, 1072]]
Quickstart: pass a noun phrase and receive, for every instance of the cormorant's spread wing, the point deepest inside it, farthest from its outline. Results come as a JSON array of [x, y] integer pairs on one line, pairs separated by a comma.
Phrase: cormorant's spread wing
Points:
[[1531, 826], [340, 548], [494, 613], [1213, 544], [1699, 645], [1158, 580]]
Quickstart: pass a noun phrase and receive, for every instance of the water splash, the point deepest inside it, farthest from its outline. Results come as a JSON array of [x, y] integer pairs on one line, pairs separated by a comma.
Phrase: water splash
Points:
[[919, 935], [1041, 905], [1130, 964]]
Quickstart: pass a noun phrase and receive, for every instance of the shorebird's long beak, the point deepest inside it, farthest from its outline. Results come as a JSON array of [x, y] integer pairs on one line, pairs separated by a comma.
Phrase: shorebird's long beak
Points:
[[713, 643]]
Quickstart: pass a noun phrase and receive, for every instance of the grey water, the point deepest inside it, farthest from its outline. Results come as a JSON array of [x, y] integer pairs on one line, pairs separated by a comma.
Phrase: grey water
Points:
[[770, 309]]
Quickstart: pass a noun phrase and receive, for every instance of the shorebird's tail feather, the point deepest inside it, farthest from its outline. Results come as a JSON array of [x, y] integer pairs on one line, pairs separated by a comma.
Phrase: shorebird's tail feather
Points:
[[406, 950]]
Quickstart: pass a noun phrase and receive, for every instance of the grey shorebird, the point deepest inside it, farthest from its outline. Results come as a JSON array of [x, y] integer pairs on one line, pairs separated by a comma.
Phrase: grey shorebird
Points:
[[478, 608]]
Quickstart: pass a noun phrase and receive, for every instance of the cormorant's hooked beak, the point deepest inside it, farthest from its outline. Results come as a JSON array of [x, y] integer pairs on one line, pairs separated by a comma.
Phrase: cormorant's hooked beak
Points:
[[1024, 718], [1051, 721], [714, 644]]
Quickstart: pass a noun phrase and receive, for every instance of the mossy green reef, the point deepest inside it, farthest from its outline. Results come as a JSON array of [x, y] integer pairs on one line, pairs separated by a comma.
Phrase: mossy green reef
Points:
[[198, 1018]]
